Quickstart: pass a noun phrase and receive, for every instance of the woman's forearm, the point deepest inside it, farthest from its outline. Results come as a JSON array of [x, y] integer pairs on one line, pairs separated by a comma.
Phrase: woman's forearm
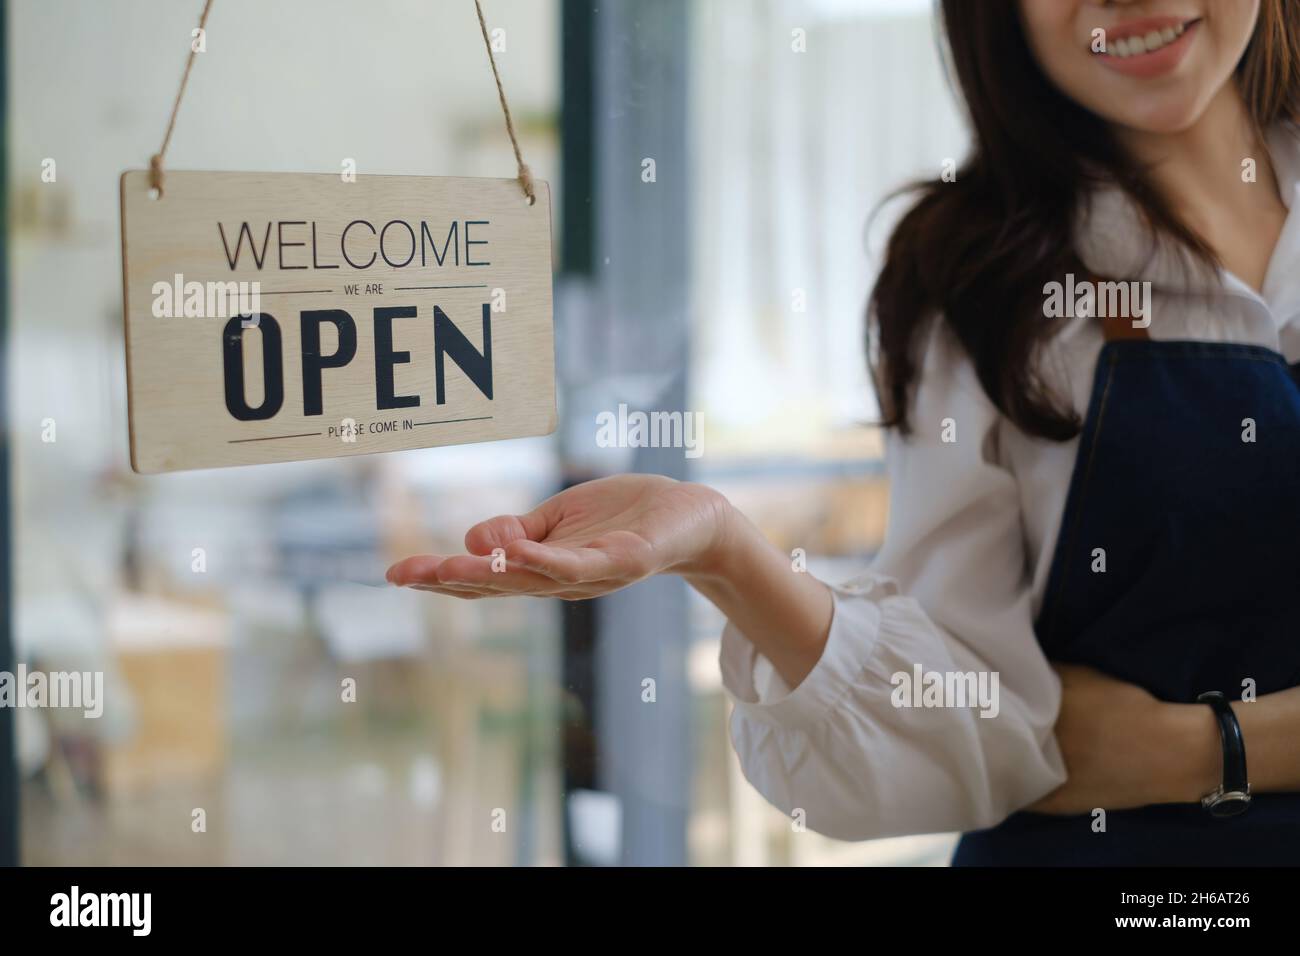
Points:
[[785, 614]]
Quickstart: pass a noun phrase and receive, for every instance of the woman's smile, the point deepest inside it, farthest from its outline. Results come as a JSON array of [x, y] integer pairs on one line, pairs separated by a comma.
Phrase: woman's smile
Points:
[[1144, 66], [1149, 47]]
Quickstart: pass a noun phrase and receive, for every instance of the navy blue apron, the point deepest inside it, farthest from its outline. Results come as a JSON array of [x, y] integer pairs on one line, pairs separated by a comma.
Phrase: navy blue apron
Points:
[[1201, 588]]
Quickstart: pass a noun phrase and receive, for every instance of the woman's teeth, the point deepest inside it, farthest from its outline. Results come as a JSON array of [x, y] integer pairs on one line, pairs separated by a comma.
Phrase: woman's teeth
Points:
[[1148, 43]]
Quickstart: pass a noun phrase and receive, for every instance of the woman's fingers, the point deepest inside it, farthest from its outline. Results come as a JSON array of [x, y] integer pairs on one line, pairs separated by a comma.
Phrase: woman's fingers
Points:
[[420, 569], [468, 594], [466, 574], [566, 566], [494, 575], [506, 557], [472, 594], [487, 536]]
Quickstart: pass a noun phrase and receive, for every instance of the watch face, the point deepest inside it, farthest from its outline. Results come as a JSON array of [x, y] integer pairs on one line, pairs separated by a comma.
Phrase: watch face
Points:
[[1230, 804]]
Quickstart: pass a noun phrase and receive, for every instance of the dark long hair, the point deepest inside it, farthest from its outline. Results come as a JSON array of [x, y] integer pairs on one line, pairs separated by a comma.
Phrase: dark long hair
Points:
[[977, 252]]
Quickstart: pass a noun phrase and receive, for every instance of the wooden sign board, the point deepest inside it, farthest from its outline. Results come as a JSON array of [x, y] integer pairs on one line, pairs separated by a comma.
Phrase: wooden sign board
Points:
[[278, 316]]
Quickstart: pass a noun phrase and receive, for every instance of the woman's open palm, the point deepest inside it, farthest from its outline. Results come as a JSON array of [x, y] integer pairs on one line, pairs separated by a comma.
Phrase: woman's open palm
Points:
[[588, 540]]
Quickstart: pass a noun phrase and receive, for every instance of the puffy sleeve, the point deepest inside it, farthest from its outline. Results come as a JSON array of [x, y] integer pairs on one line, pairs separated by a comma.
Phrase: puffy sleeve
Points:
[[949, 594]]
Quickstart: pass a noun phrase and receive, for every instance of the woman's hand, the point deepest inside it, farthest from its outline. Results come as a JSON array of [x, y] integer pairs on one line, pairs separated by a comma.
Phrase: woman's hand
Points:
[[604, 535], [1124, 748], [588, 540]]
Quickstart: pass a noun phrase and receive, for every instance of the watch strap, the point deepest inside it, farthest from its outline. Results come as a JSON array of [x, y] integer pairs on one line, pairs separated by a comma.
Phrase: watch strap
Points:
[[1235, 780]]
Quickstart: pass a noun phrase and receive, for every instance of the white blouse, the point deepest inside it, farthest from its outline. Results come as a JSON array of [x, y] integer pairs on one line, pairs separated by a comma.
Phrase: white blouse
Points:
[[961, 576]]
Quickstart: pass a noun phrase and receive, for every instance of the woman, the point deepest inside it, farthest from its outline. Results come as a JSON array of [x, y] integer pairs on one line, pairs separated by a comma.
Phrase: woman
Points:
[[1107, 482]]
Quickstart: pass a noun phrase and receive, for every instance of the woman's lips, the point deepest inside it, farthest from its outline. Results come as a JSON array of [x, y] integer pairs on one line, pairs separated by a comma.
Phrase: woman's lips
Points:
[[1132, 37]]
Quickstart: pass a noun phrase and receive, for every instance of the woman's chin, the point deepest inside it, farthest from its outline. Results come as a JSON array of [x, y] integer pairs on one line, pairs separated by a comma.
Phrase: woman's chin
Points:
[[1160, 119]]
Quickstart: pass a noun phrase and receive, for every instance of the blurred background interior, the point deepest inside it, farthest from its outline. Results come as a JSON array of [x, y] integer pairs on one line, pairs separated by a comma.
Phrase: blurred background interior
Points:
[[227, 607]]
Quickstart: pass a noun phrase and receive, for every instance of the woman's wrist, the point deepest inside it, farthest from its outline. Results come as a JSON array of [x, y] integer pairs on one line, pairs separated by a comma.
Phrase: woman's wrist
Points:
[[784, 613], [723, 545], [1193, 754]]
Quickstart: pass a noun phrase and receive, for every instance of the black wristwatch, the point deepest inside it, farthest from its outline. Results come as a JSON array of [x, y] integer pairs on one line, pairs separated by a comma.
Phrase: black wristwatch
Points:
[[1233, 795]]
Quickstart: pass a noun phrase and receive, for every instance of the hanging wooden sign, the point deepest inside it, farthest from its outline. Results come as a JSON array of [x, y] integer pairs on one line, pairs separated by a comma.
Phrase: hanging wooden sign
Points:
[[277, 316]]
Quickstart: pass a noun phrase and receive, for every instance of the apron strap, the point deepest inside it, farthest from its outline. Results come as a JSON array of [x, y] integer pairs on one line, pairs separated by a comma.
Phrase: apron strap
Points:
[[1119, 328]]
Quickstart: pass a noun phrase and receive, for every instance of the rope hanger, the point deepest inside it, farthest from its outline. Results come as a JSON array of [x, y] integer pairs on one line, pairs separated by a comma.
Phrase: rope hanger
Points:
[[525, 175]]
